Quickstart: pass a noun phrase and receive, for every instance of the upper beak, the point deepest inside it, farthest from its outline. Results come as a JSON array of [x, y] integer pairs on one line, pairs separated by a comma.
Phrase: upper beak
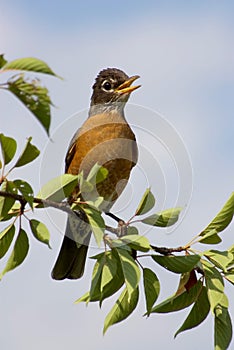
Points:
[[126, 86]]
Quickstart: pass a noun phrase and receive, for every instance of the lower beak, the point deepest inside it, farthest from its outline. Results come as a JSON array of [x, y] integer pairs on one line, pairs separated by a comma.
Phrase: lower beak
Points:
[[126, 87]]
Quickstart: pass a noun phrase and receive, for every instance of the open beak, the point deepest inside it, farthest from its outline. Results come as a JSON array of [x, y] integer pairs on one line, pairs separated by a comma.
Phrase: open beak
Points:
[[126, 87]]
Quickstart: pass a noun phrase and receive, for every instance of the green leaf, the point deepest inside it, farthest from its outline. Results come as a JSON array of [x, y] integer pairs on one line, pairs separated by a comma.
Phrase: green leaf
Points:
[[8, 146], [18, 254], [223, 218], [14, 211], [96, 222], [84, 298], [177, 264], [93, 204], [179, 302], [10, 215], [118, 243], [184, 280], [98, 202], [109, 269], [198, 314], [6, 202], [230, 277], [29, 64], [6, 237], [112, 276], [224, 301], [84, 185], [214, 283], [58, 188], [164, 218], [220, 259], [2, 61], [95, 292], [26, 190], [130, 270], [223, 328], [123, 307], [231, 249], [146, 204], [34, 96], [136, 242], [210, 237], [108, 282], [107, 277], [97, 174], [29, 153], [151, 287], [132, 230], [40, 231]]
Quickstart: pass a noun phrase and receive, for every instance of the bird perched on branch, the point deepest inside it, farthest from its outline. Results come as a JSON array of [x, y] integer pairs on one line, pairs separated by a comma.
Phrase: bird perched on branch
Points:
[[107, 139]]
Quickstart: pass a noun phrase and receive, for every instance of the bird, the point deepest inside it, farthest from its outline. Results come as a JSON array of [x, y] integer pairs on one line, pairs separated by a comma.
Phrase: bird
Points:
[[105, 138]]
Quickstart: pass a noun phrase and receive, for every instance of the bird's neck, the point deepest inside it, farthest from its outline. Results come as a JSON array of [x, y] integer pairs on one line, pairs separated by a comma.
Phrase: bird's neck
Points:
[[111, 108]]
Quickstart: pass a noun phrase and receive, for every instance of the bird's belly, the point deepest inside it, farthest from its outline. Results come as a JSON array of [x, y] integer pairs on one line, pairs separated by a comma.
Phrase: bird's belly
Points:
[[111, 147]]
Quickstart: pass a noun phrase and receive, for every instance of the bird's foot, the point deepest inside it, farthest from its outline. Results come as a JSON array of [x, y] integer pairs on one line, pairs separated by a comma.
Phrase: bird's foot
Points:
[[122, 227]]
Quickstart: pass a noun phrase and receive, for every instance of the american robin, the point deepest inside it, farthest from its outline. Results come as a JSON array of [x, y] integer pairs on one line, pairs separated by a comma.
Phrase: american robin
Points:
[[107, 139]]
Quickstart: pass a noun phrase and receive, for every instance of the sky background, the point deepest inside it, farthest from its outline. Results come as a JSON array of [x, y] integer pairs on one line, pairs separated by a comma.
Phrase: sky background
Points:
[[183, 120]]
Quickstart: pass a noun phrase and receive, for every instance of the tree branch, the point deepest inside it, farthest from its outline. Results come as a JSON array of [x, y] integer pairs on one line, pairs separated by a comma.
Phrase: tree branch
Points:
[[46, 202], [113, 230], [65, 207]]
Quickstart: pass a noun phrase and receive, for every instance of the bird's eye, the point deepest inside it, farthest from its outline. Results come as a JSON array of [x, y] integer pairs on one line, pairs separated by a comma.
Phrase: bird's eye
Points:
[[106, 85]]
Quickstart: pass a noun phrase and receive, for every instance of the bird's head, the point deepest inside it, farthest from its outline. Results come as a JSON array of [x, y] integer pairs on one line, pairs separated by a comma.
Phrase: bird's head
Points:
[[112, 86]]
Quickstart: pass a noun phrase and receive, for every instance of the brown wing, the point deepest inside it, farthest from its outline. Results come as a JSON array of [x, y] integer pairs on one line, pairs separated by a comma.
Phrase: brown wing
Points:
[[71, 151], [134, 152]]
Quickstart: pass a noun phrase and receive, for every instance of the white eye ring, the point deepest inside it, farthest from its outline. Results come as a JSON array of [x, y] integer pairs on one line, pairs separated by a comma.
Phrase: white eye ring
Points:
[[107, 86]]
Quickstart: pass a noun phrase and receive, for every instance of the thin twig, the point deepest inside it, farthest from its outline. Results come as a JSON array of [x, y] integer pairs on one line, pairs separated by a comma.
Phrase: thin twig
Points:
[[113, 216], [168, 251]]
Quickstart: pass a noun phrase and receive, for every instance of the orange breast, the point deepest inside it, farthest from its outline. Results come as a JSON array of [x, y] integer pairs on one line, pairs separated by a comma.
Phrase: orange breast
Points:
[[110, 142]]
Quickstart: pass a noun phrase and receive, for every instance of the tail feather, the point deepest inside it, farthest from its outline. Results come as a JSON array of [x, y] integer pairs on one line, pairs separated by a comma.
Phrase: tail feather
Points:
[[72, 256]]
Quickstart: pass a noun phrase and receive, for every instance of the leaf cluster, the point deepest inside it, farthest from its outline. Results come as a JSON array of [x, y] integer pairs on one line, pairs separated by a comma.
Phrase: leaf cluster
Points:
[[119, 268], [201, 282], [29, 90]]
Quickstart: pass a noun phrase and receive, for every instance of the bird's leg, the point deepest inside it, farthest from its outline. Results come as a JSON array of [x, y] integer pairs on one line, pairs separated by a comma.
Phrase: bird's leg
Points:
[[121, 224], [123, 228]]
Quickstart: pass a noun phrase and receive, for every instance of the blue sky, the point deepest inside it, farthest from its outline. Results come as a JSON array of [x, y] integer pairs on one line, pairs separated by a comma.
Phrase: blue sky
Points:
[[184, 53], [57, 12]]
